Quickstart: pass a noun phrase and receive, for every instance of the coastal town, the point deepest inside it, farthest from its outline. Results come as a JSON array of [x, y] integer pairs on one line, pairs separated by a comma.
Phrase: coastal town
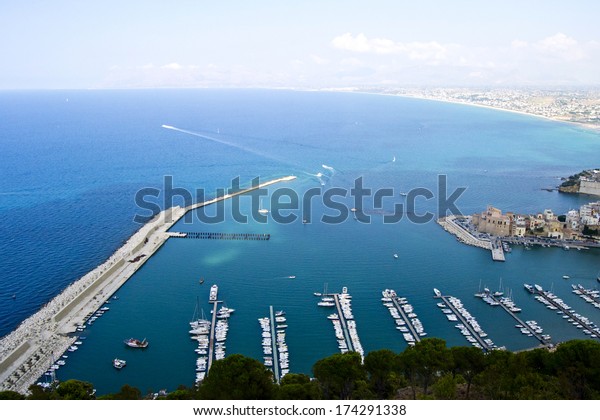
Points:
[[569, 105], [494, 230]]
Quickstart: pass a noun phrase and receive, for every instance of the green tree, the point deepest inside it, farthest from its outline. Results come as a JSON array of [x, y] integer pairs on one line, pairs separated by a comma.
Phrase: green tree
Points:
[[468, 362], [11, 395], [424, 362], [237, 377], [75, 390], [383, 369], [445, 388], [577, 366], [298, 387], [338, 375]]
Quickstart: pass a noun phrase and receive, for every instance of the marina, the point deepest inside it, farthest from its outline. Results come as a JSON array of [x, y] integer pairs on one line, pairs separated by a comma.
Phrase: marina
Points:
[[24, 357], [468, 325], [404, 317], [529, 328], [554, 303], [343, 320]]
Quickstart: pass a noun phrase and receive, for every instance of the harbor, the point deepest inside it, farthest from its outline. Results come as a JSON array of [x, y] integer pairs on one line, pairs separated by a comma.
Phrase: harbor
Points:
[[343, 320], [404, 317], [454, 310], [554, 303], [26, 353]]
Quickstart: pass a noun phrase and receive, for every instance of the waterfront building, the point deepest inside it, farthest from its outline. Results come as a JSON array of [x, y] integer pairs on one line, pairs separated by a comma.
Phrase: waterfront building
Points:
[[493, 222]]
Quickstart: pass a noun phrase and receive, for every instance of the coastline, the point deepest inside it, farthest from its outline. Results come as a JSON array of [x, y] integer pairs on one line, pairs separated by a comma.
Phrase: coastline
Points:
[[590, 127], [33, 347]]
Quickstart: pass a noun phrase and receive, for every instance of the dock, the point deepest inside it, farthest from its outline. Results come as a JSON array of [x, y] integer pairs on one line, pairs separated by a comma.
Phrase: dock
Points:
[[222, 236], [343, 321], [553, 302], [26, 353], [274, 345], [468, 325], [528, 325], [591, 296], [211, 337], [498, 251], [401, 310]]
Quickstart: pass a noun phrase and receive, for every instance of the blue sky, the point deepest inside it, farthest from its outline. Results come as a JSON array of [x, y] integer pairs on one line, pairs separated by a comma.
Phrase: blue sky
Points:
[[123, 44]]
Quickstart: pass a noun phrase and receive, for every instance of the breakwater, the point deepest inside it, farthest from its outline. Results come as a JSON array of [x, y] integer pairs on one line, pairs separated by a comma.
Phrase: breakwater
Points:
[[28, 351]]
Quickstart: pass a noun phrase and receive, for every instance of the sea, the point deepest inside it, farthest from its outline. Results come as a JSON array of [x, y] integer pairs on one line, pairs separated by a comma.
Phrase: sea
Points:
[[80, 167]]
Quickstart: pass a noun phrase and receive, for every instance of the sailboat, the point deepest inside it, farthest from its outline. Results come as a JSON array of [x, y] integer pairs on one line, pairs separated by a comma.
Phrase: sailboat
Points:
[[262, 210]]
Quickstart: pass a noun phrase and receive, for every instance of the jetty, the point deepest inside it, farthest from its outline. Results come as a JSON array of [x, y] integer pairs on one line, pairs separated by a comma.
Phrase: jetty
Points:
[[28, 352], [468, 325], [591, 296], [222, 236], [554, 303], [526, 327], [404, 317], [343, 321]]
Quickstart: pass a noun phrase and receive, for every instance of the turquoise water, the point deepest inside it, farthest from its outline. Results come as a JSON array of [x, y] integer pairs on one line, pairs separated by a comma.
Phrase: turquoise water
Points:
[[72, 170]]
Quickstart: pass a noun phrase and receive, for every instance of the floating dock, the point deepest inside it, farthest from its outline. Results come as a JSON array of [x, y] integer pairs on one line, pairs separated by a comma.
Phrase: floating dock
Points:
[[508, 305], [555, 303], [406, 320], [276, 355], [222, 236], [469, 327]]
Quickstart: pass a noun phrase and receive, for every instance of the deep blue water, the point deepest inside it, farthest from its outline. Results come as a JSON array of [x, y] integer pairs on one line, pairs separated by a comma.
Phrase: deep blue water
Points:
[[72, 162]]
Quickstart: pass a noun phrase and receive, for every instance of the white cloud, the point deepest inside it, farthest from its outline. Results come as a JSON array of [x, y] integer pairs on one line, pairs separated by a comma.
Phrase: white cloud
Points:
[[415, 51], [561, 46], [172, 66]]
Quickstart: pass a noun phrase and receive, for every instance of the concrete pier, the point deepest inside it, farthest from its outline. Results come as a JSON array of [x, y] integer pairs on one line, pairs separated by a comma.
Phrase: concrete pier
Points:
[[274, 345], [28, 352]]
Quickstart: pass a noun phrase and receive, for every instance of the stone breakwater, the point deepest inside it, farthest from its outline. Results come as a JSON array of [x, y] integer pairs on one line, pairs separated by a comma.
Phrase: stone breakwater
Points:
[[30, 350], [449, 224]]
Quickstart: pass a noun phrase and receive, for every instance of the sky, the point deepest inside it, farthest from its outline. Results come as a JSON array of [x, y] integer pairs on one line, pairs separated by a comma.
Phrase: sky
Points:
[[64, 44]]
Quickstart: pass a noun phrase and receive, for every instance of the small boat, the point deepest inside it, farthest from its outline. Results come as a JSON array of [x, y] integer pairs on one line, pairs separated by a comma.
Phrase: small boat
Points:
[[201, 281], [262, 210], [135, 343], [214, 289], [437, 292], [280, 313], [566, 277], [403, 194], [119, 363], [395, 255], [291, 277]]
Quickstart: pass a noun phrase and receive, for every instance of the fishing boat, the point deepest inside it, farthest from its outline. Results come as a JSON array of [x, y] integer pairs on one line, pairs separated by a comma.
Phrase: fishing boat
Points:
[[136, 344], [119, 363]]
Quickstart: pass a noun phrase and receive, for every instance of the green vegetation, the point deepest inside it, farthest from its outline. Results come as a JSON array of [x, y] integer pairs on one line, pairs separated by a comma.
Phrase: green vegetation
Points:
[[429, 370]]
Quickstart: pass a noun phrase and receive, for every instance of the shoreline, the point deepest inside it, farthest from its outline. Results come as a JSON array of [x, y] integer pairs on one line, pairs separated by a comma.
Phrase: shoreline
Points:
[[33, 347], [590, 127]]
